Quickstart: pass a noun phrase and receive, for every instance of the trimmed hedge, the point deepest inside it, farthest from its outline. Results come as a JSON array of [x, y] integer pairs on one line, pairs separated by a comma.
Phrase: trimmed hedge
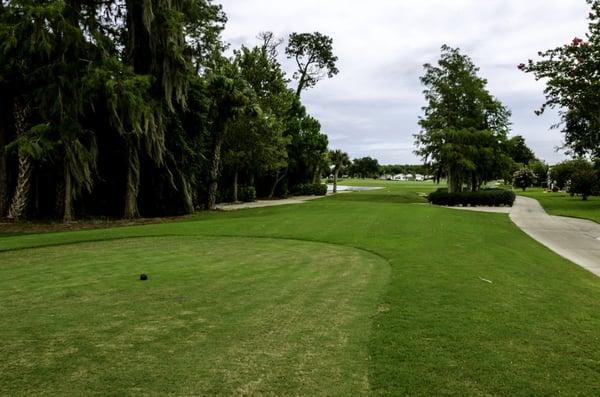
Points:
[[309, 189], [486, 197]]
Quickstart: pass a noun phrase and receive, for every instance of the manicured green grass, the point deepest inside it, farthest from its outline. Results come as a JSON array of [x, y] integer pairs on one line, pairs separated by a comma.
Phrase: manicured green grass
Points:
[[332, 297], [217, 316], [564, 205]]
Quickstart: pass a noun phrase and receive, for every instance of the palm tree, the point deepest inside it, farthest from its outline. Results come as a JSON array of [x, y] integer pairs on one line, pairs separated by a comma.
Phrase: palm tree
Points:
[[20, 198], [339, 160]]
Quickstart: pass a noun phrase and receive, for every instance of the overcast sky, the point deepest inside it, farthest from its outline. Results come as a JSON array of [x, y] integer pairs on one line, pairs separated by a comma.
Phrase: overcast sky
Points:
[[371, 107]]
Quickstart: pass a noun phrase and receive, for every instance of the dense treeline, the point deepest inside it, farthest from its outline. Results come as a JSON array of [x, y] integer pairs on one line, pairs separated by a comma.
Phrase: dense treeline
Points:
[[125, 107]]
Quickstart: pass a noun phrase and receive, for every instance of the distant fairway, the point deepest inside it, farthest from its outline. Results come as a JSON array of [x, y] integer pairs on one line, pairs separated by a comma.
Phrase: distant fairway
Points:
[[362, 293]]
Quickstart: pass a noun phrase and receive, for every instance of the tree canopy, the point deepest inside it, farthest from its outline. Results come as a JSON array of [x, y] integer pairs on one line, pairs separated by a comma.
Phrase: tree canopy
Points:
[[131, 108], [464, 127], [313, 54], [570, 73]]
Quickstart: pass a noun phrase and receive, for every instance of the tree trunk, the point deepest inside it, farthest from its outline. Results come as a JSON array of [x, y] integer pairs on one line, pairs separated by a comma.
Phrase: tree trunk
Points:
[[59, 200], [3, 171], [317, 175], [235, 186], [68, 198], [278, 178], [20, 200], [474, 183], [133, 183], [301, 83], [214, 173], [454, 182], [335, 178], [188, 202]]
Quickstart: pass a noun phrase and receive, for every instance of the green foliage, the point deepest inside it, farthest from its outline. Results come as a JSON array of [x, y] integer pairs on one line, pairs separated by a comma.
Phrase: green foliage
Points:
[[135, 103], [524, 178], [310, 189], [585, 182], [485, 197], [570, 73], [365, 167], [561, 173], [313, 54], [540, 169], [518, 150], [339, 160], [464, 127], [247, 194], [257, 141]]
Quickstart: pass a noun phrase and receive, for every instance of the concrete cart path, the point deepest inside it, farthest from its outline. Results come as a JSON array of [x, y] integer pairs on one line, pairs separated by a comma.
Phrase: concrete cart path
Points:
[[575, 239], [266, 203], [292, 200]]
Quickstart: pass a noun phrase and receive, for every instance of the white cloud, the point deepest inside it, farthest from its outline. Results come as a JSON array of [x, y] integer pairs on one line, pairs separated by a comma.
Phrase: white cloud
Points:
[[382, 45]]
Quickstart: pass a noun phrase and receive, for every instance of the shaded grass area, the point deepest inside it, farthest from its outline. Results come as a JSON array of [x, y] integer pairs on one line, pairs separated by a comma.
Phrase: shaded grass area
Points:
[[223, 316], [470, 305], [564, 205]]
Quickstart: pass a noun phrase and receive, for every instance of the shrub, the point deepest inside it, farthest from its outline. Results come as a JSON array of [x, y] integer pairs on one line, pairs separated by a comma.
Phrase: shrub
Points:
[[523, 178], [247, 194], [310, 189], [561, 173], [224, 195], [540, 169], [486, 197], [585, 183]]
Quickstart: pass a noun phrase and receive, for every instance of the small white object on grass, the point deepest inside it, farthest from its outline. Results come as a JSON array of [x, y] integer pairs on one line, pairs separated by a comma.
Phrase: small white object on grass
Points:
[[486, 280]]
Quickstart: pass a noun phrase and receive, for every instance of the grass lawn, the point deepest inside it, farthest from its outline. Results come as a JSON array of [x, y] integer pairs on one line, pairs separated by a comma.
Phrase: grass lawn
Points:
[[362, 293], [564, 205]]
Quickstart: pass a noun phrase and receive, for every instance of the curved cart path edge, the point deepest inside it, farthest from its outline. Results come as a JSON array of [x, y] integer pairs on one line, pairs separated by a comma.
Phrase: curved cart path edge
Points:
[[577, 240]]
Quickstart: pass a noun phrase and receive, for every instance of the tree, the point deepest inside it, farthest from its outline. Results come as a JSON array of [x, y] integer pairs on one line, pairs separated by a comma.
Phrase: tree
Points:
[[123, 108], [43, 44], [540, 169], [270, 44], [232, 97], [519, 151], [313, 53], [524, 178], [585, 182], [339, 160], [572, 86], [562, 173], [464, 127], [258, 144], [365, 167]]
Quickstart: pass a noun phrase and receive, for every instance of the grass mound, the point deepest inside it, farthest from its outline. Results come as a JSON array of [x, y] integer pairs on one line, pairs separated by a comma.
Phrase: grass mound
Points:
[[222, 316]]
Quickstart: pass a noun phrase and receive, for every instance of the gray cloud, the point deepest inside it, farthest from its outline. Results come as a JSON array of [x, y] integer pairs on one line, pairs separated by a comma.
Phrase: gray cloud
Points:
[[372, 106]]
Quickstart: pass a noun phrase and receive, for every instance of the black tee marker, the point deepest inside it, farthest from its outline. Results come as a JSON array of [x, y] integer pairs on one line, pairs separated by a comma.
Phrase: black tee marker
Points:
[[143, 277]]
